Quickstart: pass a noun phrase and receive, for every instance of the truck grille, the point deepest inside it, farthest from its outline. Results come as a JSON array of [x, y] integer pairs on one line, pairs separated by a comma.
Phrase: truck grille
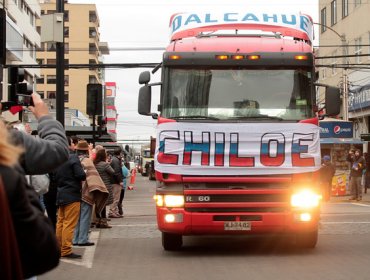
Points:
[[247, 198]]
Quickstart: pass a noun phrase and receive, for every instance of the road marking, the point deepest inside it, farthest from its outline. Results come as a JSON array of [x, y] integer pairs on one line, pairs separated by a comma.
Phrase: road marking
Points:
[[89, 252], [339, 223], [139, 225]]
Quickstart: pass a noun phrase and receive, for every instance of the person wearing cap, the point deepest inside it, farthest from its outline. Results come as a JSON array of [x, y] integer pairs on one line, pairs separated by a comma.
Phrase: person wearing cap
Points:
[[69, 178], [327, 172]]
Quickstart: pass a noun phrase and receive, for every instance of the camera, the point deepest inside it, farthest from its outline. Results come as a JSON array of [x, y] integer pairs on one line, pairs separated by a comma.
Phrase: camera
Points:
[[24, 100]]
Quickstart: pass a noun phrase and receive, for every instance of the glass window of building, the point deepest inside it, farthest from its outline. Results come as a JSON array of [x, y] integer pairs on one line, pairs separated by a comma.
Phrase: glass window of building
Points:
[[51, 79], [66, 96], [323, 20], [51, 95], [344, 8], [358, 49], [40, 80], [333, 9]]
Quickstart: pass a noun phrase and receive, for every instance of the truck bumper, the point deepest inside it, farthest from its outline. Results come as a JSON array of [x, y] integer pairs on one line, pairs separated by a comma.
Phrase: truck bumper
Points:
[[189, 223]]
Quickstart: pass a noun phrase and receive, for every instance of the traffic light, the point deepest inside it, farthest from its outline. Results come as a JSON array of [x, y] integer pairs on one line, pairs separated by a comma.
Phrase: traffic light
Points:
[[94, 99], [102, 124], [18, 88]]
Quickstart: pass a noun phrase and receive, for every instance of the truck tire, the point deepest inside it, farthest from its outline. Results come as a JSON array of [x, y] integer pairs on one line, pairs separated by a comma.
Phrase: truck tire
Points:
[[307, 240], [171, 241]]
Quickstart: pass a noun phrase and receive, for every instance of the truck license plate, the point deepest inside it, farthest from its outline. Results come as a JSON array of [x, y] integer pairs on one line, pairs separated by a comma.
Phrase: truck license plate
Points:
[[237, 226]]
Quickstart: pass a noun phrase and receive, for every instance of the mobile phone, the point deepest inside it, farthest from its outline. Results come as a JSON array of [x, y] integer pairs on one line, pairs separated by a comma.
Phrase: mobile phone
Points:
[[24, 100]]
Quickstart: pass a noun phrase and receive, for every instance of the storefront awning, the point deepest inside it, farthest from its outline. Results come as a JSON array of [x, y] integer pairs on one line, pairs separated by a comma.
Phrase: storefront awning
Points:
[[341, 141]]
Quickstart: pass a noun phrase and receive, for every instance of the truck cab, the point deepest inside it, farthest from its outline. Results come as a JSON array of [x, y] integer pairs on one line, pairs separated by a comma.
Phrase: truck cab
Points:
[[238, 148]]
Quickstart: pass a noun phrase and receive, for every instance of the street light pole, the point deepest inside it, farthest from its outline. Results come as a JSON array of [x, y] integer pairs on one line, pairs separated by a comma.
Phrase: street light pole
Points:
[[60, 71], [344, 71]]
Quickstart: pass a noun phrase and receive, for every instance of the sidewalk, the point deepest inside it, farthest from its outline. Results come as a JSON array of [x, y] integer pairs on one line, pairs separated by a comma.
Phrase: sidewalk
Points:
[[345, 198]]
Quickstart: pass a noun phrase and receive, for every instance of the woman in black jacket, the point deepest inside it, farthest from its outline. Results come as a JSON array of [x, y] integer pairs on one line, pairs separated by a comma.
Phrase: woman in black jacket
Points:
[[35, 236]]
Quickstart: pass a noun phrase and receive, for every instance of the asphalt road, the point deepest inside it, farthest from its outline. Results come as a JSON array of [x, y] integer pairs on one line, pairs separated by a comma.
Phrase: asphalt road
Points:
[[132, 249]]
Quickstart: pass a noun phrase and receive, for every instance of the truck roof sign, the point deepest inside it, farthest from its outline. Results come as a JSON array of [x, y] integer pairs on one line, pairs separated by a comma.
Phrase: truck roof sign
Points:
[[289, 24]]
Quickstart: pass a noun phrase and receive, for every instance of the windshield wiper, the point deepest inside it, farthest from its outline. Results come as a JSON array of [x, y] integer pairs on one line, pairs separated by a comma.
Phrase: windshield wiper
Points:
[[198, 117], [267, 117]]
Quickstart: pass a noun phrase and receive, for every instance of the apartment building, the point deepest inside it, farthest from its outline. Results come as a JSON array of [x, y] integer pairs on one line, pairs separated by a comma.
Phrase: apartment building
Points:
[[82, 46], [22, 40], [345, 39]]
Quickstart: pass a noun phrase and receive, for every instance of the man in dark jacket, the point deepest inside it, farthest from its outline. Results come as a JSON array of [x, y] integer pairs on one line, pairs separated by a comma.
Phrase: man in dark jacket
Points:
[[358, 164], [69, 178], [116, 164]]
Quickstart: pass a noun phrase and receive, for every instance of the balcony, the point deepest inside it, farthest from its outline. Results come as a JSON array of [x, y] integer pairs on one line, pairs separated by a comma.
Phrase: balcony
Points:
[[14, 41]]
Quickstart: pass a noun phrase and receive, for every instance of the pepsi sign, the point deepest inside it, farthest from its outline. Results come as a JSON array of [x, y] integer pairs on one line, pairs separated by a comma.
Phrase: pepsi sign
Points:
[[336, 129]]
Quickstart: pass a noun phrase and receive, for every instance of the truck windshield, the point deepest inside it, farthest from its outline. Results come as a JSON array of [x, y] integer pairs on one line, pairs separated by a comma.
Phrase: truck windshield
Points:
[[228, 94]]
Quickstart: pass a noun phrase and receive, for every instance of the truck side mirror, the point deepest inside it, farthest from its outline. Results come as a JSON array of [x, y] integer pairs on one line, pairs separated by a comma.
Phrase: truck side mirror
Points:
[[332, 101], [144, 77], [145, 100]]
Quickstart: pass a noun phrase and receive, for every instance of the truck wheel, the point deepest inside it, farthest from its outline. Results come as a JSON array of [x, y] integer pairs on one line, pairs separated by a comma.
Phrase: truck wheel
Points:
[[307, 240], [171, 241]]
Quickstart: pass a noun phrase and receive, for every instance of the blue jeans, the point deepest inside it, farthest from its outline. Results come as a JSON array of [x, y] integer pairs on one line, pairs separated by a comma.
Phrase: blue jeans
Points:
[[81, 234]]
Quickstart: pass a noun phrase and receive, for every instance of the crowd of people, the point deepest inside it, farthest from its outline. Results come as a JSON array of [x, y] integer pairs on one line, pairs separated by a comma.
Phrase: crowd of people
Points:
[[359, 174], [38, 226]]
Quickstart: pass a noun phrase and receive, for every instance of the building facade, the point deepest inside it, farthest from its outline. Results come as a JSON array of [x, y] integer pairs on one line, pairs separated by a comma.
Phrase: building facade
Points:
[[22, 40], [344, 48], [82, 46]]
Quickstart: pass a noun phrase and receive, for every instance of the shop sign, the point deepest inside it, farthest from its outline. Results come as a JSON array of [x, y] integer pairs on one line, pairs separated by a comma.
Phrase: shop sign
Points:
[[336, 129], [360, 99]]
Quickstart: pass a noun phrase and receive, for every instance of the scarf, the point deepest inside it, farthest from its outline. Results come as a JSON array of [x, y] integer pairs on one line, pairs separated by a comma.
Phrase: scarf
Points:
[[94, 190]]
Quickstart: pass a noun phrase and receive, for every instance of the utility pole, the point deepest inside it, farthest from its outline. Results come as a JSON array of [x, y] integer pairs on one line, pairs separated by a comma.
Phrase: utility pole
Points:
[[60, 70], [344, 72]]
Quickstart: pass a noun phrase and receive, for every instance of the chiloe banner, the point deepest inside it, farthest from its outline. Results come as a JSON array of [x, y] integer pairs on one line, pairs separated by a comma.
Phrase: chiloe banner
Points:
[[211, 149]]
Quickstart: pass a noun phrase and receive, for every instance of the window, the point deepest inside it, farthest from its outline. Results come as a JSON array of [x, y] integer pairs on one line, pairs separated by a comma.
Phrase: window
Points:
[[344, 8], [66, 32], [38, 29], [40, 61], [92, 79], [51, 47], [51, 79], [66, 96], [51, 61], [358, 49], [369, 45], [66, 48], [92, 16], [66, 80], [92, 32], [51, 95], [66, 16], [333, 8], [42, 94], [323, 20], [40, 80]]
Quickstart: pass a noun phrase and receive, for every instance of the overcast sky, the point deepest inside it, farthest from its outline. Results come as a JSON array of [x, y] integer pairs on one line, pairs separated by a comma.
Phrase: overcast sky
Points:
[[144, 23]]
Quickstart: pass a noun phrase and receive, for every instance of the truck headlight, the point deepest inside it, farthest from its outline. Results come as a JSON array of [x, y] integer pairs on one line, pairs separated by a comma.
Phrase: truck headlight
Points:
[[305, 199], [169, 200]]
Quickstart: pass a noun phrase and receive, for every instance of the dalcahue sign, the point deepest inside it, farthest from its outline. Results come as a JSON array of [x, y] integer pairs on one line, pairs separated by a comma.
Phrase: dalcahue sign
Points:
[[209, 149], [295, 21]]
